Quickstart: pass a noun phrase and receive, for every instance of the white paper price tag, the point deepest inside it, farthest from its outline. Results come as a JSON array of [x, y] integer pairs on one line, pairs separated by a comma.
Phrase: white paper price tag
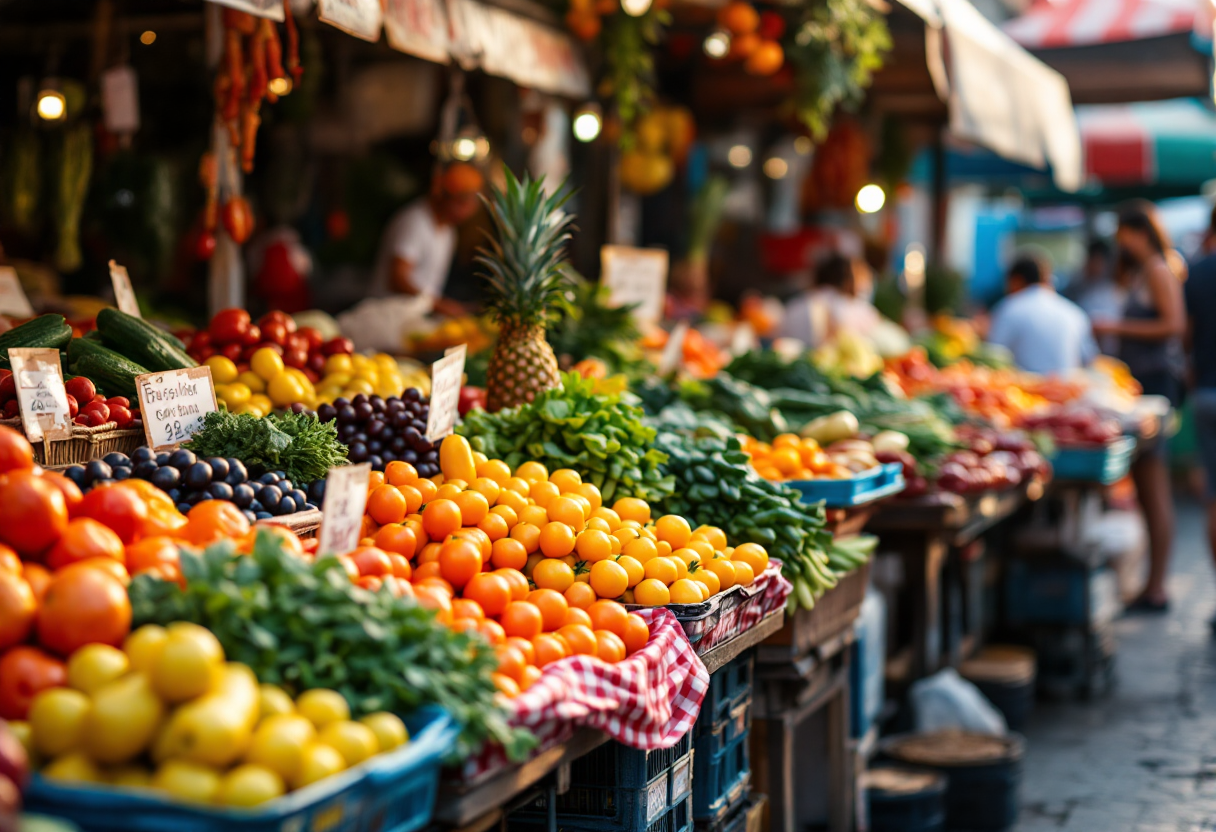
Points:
[[673, 352], [12, 297], [447, 374], [40, 394], [342, 513], [743, 339], [635, 276], [124, 294], [173, 404], [361, 18]]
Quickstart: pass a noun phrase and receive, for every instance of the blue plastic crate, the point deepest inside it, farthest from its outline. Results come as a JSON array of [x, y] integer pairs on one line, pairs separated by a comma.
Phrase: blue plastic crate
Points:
[[866, 487], [1064, 593], [713, 737], [623, 789], [727, 687], [678, 818], [394, 792], [722, 779], [1106, 464]]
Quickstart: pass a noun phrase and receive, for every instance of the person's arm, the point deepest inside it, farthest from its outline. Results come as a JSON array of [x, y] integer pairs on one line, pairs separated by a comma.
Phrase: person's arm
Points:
[[401, 276], [1171, 317]]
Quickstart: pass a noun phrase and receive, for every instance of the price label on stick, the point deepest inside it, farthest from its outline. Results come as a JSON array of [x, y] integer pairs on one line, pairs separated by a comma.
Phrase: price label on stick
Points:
[[124, 295], [12, 297], [342, 513], [635, 276], [173, 404], [40, 394], [447, 374], [674, 350]]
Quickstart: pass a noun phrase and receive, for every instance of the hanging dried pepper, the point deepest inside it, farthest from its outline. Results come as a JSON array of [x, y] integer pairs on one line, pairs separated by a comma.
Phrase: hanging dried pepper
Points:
[[274, 56], [293, 44]]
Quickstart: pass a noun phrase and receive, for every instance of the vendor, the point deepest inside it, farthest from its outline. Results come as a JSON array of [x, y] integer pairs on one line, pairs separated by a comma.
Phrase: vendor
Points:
[[1046, 333], [838, 302], [416, 250]]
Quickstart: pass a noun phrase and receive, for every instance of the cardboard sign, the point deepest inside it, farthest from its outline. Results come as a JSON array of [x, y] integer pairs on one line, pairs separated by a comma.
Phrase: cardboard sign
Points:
[[40, 394], [673, 352], [270, 9], [120, 99], [342, 513], [12, 297], [361, 18], [418, 27], [636, 276], [124, 295], [447, 375], [743, 339], [173, 404]]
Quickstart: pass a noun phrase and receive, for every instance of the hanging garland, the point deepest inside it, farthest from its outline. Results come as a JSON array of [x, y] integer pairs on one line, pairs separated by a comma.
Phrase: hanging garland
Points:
[[835, 46]]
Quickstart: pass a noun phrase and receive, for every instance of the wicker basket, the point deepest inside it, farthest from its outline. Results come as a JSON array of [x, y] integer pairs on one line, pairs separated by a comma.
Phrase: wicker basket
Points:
[[86, 444], [305, 524]]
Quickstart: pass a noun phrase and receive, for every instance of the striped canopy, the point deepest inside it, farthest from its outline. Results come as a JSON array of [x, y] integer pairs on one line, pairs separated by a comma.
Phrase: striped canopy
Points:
[[1151, 143], [1054, 24]]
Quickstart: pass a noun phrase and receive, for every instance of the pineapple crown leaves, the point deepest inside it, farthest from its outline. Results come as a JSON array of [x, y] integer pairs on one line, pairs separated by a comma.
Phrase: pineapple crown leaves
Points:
[[524, 262]]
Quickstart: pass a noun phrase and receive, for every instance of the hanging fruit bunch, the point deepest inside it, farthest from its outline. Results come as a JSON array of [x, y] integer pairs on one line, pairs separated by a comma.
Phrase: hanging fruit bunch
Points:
[[839, 169], [662, 139], [754, 37]]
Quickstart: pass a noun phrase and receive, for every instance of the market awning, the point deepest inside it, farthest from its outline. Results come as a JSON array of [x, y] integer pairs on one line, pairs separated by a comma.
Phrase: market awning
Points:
[[999, 96], [1114, 51], [1152, 143]]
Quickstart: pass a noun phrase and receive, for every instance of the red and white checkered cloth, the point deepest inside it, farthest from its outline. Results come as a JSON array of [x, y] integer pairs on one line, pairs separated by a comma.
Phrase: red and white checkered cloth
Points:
[[766, 594], [649, 700]]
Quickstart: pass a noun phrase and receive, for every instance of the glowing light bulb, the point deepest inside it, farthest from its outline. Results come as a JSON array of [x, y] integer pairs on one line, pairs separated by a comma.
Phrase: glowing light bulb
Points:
[[464, 149], [51, 106], [148, 38], [587, 125], [716, 45], [739, 156], [635, 8], [280, 86], [870, 199], [775, 167]]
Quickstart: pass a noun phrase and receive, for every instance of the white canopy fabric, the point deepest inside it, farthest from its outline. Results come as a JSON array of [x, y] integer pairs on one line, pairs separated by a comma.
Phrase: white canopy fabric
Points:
[[999, 95]]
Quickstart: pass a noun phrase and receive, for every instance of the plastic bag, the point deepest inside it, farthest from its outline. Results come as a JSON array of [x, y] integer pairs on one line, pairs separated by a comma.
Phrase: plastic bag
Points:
[[947, 701]]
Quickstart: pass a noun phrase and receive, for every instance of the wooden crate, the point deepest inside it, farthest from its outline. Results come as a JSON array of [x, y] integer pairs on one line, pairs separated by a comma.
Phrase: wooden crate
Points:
[[86, 444], [832, 615]]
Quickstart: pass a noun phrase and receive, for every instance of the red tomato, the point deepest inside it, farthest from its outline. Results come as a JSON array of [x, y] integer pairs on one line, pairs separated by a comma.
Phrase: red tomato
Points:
[[316, 362], [282, 317], [275, 331], [253, 336], [336, 346], [98, 407], [231, 351], [80, 387], [312, 337], [229, 325], [121, 416], [8, 388], [201, 339], [25, 672], [295, 358], [204, 247], [73, 406]]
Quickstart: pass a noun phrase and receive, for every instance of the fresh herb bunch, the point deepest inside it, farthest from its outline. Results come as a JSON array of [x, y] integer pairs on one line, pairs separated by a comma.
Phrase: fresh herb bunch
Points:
[[629, 77], [716, 486], [572, 426], [304, 625], [298, 444]]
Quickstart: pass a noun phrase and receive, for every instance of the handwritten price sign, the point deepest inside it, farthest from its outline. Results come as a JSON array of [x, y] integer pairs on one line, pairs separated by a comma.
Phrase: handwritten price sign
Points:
[[124, 294], [342, 513], [635, 276], [40, 394], [13, 300], [447, 374], [174, 404]]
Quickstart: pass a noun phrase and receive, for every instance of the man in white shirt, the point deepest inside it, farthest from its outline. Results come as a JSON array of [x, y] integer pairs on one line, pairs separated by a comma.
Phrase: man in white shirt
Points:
[[416, 250], [1046, 333], [838, 302]]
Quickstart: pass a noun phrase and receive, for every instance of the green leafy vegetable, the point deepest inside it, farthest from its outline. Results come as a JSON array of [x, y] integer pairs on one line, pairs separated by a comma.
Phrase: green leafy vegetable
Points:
[[298, 444], [304, 625]]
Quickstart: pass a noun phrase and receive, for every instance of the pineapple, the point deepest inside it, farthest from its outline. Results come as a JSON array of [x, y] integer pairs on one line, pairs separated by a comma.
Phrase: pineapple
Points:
[[525, 269]]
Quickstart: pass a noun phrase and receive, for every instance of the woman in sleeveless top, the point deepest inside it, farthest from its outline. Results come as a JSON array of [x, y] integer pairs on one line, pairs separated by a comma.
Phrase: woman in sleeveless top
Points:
[[1150, 342]]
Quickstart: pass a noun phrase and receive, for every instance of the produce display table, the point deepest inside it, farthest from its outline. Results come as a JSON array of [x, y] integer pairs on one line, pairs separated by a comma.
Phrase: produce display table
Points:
[[726, 652], [479, 806]]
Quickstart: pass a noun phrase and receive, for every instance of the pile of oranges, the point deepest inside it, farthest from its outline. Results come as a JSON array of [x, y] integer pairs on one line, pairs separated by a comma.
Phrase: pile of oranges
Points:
[[533, 560], [791, 457]]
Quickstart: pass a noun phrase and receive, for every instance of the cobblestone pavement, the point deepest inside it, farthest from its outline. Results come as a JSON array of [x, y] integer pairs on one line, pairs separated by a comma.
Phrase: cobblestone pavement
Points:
[[1142, 758]]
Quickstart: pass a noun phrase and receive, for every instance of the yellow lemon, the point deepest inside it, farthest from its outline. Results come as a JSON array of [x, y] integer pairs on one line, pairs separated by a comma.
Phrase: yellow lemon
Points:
[[279, 743], [321, 707], [253, 381], [272, 701], [188, 664], [73, 768], [130, 777], [355, 741], [390, 731], [94, 666], [144, 645], [192, 782], [56, 718], [338, 364], [249, 785], [234, 395], [285, 390], [316, 763]]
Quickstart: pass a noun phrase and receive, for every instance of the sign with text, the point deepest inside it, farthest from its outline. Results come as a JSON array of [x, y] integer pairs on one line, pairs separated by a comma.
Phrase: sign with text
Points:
[[173, 404], [124, 294], [342, 513], [418, 27], [270, 9], [635, 276], [40, 394], [13, 300], [673, 352], [447, 375], [361, 18]]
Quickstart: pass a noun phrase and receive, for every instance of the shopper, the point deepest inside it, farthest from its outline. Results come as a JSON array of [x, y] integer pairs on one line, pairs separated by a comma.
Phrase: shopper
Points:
[[838, 302], [1150, 343], [1046, 333], [1200, 294], [1096, 291], [416, 250]]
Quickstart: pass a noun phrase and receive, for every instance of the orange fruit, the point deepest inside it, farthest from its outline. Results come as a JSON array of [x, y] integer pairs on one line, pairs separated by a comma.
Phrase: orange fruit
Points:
[[532, 675], [397, 539], [413, 498], [374, 480], [724, 569], [386, 505], [528, 535], [510, 515], [552, 573], [608, 516], [535, 515], [591, 494], [556, 540], [448, 491], [400, 473], [427, 570], [427, 489], [580, 595], [599, 524], [38, 577], [766, 59], [738, 17], [437, 582], [522, 619], [574, 615], [494, 469], [593, 545], [524, 646], [633, 569], [636, 634], [744, 575], [490, 591], [440, 518], [512, 499], [507, 552], [711, 534], [516, 582], [459, 561], [566, 479], [20, 609], [687, 591], [82, 539], [707, 579], [467, 608], [473, 507], [543, 493], [476, 536], [401, 566], [703, 548], [609, 646], [492, 632], [753, 554], [674, 529], [566, 510], [660, 569], [581, 639], [532, 472], [552, 605], [609, 579], [631, 508], [510, 661], [507, 686], [371, 561], [433, 597], [83, 605], [495, 526], [70, 490], [429, 553], [642, 550], [487, 488], [608, 615], [548, 649], [15, 451]]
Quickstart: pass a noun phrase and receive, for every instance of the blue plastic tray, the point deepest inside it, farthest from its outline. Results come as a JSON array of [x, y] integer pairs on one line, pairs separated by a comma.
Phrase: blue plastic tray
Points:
[[867, 487], [1106, 464], [393, 792], [728, 686]]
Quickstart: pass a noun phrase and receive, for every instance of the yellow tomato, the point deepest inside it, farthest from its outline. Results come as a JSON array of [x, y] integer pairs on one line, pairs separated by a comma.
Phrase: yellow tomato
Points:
[[262, 402], [652, 593], [223, 371], [267, 363], [360, 385], [284, 389], [253, 381], [234, 395], [686, 591], [338, 364], [338, 380]]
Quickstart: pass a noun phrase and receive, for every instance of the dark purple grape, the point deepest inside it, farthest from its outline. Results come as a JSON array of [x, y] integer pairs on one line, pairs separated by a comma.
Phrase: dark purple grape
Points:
[[363, 410], [413, 394], [377, 462], [346, 414], [398, 444], [359, 398], [412, 436], [400, 420], [377, 403], [428, 469], [395, 405], [427, 448], [373, 426], [388, 456], [341, 402], [409, 455], [327, 412], [298, 407], [358, 452], [432, 456], [419, 425], [375, 446]]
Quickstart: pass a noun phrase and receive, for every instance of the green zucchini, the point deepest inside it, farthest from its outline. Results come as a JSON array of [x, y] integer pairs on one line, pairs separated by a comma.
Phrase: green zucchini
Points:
[[45, 331], [107, 368], [141, 342]]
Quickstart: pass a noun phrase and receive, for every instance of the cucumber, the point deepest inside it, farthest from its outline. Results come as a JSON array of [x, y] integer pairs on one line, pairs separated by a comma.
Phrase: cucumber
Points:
[[45, 331], [141, 342], [107, 368]]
